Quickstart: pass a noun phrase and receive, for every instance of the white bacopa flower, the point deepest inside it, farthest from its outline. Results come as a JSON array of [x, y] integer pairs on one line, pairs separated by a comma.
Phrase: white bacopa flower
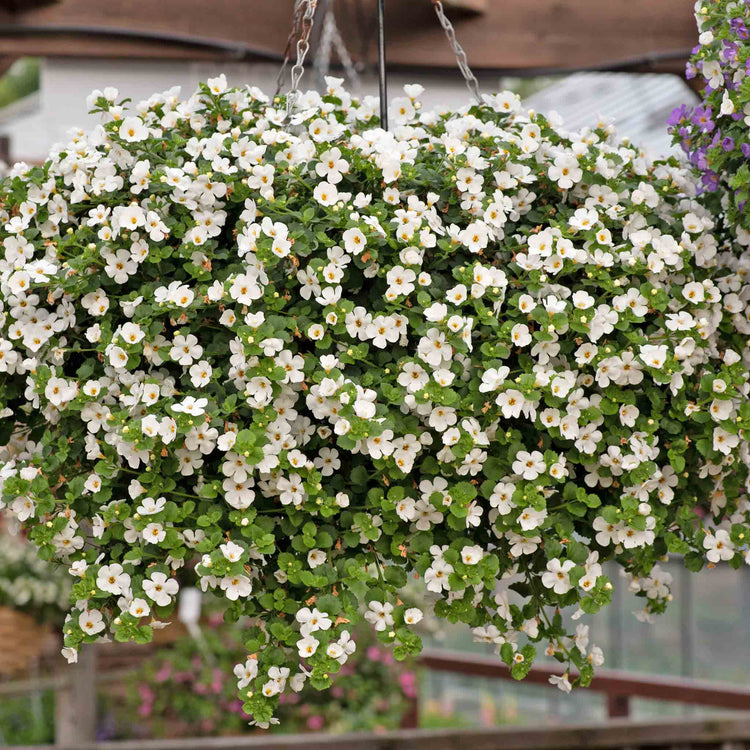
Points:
[[413, 616], [307, 646], [379, 615], [719, 546], [557, 575], [562, 682], [316, 557], [246, 673], [160, 589], [113, 579], [133, 129], [139, 608], [529, 465], [471, 555], [653, 355], [236, 586], [312, 620]]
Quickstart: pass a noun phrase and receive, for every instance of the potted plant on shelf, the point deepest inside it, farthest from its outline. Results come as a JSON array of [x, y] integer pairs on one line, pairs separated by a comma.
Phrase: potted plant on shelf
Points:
[[33, 599]]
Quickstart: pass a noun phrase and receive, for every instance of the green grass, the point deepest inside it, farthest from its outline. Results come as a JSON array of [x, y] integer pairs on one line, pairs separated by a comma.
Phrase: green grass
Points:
[[26, 721]]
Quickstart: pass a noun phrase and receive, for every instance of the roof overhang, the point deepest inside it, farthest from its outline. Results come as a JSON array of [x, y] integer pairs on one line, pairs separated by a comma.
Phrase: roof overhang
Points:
[[508, 36]]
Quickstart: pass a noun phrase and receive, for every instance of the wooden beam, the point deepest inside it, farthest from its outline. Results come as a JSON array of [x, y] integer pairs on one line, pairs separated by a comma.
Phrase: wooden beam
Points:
[[506, 37], [475, 6], [609, 681], [19, 6], [615, 735]]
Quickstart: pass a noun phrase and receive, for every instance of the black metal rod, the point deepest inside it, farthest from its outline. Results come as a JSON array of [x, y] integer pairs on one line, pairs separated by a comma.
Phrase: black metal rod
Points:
[[381, 66]]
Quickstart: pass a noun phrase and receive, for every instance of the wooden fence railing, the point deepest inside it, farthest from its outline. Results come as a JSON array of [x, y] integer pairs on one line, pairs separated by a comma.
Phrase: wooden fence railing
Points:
[[619, 686], [697, 734], [76, 709]]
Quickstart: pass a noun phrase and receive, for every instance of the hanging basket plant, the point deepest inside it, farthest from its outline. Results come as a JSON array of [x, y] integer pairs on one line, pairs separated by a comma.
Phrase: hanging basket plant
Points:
[[314, 359]]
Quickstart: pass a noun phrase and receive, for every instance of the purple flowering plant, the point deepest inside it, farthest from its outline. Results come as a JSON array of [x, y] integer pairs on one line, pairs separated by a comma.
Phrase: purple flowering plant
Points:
[[714, 134]]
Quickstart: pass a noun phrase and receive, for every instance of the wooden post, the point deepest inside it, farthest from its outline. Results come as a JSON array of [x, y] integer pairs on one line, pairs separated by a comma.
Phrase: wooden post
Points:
[[618, 706], [75, 703], [410, 719], [5, 149]]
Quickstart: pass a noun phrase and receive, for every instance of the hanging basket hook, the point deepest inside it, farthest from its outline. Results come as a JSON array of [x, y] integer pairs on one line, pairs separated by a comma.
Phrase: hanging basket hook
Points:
[[461, 59], [381, 66], [307, 8]]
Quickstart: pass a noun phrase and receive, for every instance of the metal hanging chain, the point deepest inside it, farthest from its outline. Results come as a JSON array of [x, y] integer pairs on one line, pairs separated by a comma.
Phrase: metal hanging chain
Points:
[[331, 38], [461, 59], [344, 57], [322, 61], [303, 47], [293, 35]]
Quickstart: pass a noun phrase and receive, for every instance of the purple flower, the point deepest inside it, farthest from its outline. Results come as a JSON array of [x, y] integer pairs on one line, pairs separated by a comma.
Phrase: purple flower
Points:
[[710, 181], [727, 144], [702, 118], [698, 158], [729, 50], [745, 148], [690, 71], [679, 115], [738, 28]]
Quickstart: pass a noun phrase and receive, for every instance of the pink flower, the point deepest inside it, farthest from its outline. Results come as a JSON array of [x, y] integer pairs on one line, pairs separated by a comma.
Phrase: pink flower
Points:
[[144, 710], [487, 715], [316, 723], [146, 693], [164, 673], [373, 653], [408, 682]]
